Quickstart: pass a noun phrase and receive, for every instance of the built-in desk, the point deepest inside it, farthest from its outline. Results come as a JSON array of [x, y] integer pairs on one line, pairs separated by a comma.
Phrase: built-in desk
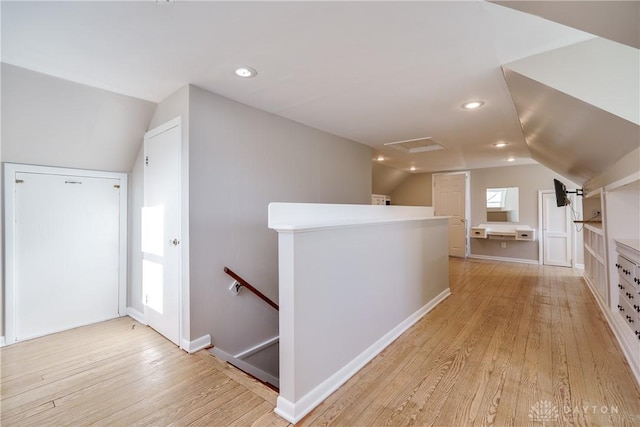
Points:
[[503, 232]]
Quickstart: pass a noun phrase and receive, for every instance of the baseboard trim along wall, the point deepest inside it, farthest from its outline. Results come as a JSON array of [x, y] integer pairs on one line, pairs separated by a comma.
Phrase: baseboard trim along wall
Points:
[[136, 315], [2, 342], [505, 259], [241, 364], [294, 412], [197, 344]]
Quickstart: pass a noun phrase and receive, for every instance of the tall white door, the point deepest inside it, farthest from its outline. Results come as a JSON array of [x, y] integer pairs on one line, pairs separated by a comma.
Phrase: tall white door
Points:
[[449, 199], [66, 246], [556, 232], [161, 225]]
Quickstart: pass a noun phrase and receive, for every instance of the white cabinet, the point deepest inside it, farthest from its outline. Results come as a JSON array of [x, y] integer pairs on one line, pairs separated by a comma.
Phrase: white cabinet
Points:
[[380, 199], [628, 306]]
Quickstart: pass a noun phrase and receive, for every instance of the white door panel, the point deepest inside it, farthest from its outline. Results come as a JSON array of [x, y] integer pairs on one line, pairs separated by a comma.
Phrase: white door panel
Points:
[[66, 252], [161, 222], [556, 232], [450, 198]]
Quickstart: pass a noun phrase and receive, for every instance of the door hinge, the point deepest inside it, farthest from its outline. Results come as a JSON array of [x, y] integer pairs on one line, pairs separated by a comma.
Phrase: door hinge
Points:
[[116, 186], [19, 181], [146, 161]]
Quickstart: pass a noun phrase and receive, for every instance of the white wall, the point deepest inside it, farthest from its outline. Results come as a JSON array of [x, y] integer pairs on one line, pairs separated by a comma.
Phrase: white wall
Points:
[[241, 159], [54, 122]]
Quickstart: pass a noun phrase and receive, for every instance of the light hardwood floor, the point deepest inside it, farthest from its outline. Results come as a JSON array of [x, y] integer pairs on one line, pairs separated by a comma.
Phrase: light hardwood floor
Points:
[[510, 338]]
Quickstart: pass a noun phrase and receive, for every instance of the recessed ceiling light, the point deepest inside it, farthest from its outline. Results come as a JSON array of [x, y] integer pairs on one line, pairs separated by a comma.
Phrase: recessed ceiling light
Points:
[[412, 168], [472, 104], [380, 158], [246, 72], [500, 144], [510, 159]]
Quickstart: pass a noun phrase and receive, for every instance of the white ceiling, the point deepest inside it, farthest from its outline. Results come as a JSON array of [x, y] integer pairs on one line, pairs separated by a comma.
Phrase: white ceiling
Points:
[[373, 72]]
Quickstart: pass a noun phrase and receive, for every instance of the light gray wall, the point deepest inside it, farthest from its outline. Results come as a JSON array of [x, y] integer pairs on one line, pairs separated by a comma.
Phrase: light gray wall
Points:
[[241, 159], [416, 190], [529, 179], [54, 122], [386, 179]]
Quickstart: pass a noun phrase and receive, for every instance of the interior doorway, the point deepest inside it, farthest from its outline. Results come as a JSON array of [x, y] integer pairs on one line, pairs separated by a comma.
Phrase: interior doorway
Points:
[[161, 230], [556, 231], [451, 198]]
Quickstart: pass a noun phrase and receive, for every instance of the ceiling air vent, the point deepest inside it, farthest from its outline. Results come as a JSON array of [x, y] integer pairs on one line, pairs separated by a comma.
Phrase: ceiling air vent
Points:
[[417, 145]]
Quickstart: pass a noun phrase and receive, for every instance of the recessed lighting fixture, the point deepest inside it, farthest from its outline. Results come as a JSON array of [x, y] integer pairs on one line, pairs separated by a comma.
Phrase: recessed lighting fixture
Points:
[[412, 168], [380, 158], [246, 72], [510, 159], [499, 144], [472, 105]]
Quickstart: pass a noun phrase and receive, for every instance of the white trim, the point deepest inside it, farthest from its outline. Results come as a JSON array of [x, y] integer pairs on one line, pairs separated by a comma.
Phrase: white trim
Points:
[[176, 121], [505, 259], [10, 170], [2, 342], [294, 412], [579, 266], [197, 344], [629, 354], [541, 231], [244, 366], [136, 315], [253, 350], [630, 179]]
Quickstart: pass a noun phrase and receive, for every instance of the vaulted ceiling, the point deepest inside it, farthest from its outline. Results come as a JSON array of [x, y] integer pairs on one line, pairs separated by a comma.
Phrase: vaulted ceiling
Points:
[[373, 72]]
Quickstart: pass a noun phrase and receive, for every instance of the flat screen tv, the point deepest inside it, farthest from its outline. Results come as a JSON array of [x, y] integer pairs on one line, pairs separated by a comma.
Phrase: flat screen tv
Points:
[[561, 193]]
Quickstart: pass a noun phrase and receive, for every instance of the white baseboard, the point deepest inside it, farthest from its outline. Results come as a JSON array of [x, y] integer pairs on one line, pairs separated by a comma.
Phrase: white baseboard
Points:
[[579, 266], [197, 344], [2, 342], [136, 315], [505, 259], [294, 412], [629, 354], [241, 364]]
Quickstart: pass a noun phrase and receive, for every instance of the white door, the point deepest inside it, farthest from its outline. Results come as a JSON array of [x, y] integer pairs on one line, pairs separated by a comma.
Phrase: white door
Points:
[[450, 199], [66, 246], [161, 222], [556, 232]]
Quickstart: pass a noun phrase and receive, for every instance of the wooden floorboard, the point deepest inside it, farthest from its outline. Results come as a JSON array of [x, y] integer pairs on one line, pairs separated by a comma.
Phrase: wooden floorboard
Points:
[[510, 339]]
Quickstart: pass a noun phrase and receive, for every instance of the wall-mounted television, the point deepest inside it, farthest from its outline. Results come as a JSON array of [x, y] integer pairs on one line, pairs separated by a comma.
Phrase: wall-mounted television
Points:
[[561, 193]]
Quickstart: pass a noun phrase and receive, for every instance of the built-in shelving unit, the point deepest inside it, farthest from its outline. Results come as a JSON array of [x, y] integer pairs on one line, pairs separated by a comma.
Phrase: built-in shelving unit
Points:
[[612, 259]]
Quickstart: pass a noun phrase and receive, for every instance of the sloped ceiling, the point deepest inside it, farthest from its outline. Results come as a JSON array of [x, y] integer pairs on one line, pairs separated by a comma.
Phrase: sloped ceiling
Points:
[[579, 106], [614, 20]]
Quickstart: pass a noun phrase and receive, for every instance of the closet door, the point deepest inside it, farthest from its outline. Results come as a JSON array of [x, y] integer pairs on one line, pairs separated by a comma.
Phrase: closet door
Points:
[[66, 252]]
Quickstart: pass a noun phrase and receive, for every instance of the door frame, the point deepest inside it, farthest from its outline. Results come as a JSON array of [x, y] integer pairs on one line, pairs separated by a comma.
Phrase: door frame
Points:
[[10, 171], [184, 324], [467, 204], [573, 235]]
